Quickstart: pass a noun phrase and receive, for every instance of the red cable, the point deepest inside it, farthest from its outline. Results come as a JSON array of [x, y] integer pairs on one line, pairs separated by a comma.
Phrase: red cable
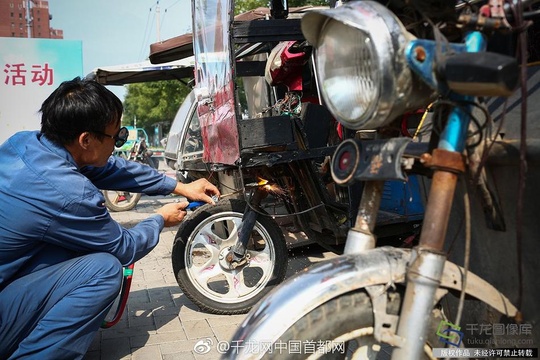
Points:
[[124, 294]]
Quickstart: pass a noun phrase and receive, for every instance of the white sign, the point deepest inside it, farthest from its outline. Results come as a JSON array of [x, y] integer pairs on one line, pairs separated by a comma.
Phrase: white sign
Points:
[[30, 70]]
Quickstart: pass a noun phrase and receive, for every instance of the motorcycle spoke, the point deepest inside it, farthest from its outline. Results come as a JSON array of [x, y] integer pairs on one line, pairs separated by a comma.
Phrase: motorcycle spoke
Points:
[[262, 260], [232, 226], [223, 233], [116, 198], [206, 272], [207, 239]]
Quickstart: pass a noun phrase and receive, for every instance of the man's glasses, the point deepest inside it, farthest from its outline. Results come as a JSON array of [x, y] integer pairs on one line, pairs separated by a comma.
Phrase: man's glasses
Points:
[[120, 138]]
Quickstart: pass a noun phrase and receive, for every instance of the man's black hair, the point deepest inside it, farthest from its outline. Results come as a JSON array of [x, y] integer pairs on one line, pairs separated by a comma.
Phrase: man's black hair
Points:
[[77, 106]]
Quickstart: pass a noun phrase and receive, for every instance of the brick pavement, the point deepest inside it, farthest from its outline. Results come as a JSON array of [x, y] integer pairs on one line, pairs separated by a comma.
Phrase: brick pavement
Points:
[[159, 321]]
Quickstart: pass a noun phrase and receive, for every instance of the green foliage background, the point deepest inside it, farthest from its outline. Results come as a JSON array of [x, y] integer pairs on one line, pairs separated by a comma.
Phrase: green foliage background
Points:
[[153, 102], [241, 6]]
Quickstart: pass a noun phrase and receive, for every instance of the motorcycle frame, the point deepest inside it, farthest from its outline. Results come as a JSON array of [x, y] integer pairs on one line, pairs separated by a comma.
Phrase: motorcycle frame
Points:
[[424, 271]]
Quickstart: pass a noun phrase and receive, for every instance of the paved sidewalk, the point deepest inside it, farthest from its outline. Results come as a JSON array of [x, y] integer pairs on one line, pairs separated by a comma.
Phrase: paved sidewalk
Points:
[[159, 321]]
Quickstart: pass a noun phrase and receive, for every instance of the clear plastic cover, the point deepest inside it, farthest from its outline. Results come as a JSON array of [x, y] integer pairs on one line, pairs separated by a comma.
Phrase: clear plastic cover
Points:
[[214, 79]]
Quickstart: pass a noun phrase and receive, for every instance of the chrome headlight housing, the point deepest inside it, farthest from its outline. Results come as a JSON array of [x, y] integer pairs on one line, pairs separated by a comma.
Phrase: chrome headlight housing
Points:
[[361, 66]]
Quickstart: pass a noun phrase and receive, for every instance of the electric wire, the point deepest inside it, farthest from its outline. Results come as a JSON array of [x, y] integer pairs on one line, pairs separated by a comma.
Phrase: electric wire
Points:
[[143, 44], [462, 105], [521, 52], [165, 12], [489, 145], [290, 104], [422, 121], [466, 260], [174, 4], [162, 21]]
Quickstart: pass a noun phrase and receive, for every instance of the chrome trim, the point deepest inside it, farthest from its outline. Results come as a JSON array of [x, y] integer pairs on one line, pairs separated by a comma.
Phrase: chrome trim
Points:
[[423, 280], [358, 242], [328, 279]]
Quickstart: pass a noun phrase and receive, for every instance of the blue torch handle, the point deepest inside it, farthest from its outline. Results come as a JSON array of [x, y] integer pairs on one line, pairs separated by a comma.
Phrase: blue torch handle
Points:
[[194, 204]]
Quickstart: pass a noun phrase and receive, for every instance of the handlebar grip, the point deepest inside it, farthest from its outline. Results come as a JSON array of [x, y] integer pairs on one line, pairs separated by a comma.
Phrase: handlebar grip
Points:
[[481, 74]]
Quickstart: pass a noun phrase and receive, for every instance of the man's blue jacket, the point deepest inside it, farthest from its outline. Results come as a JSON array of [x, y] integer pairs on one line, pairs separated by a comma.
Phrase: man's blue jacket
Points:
[[50, 208]]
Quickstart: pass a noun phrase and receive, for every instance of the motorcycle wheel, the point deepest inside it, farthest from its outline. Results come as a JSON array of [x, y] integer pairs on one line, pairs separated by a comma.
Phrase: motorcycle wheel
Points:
[[120, 200], [199, 258], [342, 328]]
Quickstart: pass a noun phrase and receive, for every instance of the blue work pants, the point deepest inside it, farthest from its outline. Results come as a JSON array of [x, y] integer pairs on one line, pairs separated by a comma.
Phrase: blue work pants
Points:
[[55, 312]]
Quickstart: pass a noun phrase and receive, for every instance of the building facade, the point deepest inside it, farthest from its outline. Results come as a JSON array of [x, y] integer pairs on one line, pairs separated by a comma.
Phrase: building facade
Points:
[[27, 19]]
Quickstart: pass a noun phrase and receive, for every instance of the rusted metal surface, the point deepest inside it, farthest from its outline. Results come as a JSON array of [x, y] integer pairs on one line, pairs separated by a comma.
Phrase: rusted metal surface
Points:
[[369, 205], [437, 210], [447, 165], [444, 160], [477, 287]]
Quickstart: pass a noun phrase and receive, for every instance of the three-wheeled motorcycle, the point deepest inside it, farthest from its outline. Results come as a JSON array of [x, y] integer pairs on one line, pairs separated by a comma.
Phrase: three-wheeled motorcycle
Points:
[[256, 127]]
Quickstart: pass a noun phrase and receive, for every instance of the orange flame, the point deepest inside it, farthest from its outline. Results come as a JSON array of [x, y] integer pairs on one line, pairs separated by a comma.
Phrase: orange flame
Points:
[[270, 188]]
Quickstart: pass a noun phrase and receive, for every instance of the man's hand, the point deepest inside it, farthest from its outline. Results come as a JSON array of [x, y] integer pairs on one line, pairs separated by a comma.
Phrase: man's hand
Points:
[[173, 213], [199, 190]]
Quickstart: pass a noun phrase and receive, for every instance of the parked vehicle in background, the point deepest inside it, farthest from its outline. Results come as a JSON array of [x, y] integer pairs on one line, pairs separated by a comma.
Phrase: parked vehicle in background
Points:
[[134, 135], [120, 200], [184, 138], [125, 200], [140, 152]]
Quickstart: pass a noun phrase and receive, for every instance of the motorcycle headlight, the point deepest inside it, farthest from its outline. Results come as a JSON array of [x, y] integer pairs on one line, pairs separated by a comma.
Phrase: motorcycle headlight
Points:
[[361, 65]]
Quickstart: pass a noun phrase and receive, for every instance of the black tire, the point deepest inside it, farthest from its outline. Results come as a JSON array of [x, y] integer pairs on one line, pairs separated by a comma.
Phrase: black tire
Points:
[[120, 200], [199, 265], [345, 323]]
